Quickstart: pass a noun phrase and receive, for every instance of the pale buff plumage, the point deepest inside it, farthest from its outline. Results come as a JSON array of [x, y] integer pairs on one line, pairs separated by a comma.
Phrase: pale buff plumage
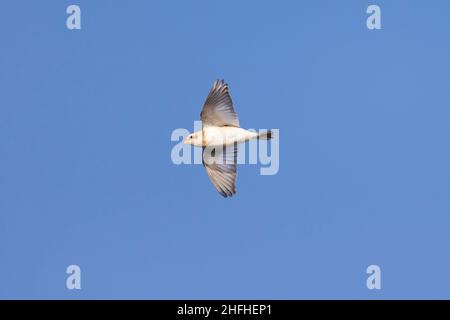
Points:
[[219, 137]]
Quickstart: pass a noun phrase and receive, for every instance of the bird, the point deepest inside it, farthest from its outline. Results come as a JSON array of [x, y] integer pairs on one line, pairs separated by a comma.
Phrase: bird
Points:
[[219, 137]]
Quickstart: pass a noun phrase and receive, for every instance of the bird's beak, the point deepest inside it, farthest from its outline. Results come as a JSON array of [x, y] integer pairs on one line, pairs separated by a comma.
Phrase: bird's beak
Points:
[[185, 141]]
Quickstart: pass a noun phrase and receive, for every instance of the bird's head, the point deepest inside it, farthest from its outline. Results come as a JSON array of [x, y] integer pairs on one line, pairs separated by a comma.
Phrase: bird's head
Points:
[[194, 139]]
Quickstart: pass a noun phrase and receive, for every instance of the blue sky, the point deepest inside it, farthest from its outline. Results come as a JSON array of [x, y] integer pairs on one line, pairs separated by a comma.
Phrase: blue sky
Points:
[[86, 176]]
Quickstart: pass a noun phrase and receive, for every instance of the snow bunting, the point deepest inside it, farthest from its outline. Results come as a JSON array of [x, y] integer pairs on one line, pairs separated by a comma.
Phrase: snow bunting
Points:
[[219, 137]]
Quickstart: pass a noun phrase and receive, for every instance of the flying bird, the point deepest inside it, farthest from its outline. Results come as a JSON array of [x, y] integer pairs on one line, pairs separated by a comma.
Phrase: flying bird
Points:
[[219, 137]]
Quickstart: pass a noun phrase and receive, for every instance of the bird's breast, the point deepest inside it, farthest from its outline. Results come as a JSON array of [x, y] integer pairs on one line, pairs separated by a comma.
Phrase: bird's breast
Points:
[[219, 136]]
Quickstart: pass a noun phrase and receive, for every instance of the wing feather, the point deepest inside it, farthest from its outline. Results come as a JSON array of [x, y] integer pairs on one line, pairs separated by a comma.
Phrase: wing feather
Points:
[[218, 109], [220, 165]]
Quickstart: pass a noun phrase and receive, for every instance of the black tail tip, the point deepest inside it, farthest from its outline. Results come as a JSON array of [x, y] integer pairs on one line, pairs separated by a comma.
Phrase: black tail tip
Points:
[[266, 135]]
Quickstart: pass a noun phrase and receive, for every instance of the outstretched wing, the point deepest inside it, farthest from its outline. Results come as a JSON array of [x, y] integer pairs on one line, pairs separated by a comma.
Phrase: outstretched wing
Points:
[[220, 165], [218, 108]]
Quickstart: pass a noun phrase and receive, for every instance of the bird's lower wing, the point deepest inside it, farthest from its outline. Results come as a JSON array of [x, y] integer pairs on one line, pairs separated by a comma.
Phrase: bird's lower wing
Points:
[[220, 165]]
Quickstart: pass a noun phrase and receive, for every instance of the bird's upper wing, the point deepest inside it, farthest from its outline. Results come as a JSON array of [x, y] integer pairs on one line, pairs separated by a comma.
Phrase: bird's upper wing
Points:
[[220, 165], [218, 108]]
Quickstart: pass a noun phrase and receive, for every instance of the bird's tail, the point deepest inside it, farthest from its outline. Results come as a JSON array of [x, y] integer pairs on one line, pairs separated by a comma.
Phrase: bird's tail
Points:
[[265, 135]]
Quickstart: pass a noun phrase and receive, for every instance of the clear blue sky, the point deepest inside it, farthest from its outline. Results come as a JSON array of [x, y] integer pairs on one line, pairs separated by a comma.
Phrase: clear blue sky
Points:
[[86, 176]]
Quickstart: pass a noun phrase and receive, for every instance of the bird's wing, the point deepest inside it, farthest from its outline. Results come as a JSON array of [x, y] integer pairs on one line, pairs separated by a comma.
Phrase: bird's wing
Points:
[[218, 108], [220, 165]]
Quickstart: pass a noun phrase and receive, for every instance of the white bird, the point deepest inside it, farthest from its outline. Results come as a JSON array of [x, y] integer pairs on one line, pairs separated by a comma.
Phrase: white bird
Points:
[[219, 137]]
